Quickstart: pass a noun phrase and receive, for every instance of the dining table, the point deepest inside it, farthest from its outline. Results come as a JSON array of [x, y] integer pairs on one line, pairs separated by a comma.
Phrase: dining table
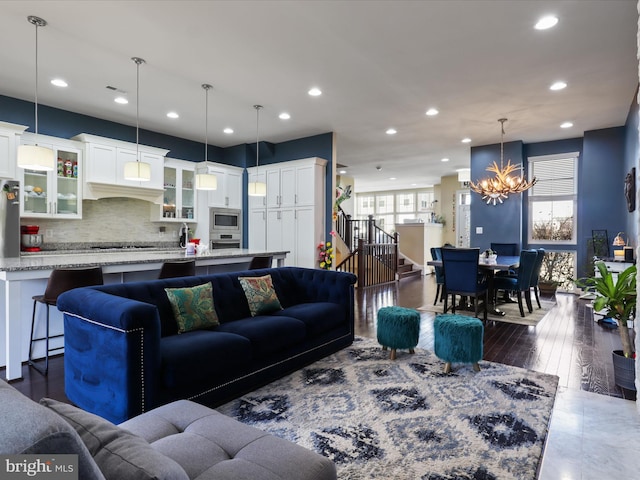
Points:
[[489, 268]]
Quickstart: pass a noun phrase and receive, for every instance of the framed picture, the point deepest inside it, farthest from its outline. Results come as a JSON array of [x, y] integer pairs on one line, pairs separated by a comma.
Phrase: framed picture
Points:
[[630, 189]]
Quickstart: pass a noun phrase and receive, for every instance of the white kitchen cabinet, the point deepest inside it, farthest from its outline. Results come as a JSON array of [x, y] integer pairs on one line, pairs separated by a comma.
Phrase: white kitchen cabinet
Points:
[[9, 141], [294, 208], [56, 193], [179, 200], [257, 229], [104, 169], [229, 191]]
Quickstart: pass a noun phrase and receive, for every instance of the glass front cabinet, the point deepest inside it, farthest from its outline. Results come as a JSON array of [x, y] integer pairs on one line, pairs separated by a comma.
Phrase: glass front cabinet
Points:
[[179, 199], [56, 193]]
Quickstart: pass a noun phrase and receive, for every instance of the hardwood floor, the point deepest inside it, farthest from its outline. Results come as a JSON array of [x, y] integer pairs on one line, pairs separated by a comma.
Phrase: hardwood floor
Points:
[[566, 342]]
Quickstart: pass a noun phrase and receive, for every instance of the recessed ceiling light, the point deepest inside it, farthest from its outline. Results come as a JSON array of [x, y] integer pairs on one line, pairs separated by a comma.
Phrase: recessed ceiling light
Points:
[[432, 111], [444, 160], [546, 22], [566, 125], [228, 130], [315, 92], [58, 82], [558, 86], [414, 184], [342, 172], [173, 115], [391, 131], [284, 116], [121, 100], [466, 140], [392, 178]]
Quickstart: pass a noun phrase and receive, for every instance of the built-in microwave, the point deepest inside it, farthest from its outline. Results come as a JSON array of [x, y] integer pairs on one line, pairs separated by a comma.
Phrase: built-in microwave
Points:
[[225, 220]]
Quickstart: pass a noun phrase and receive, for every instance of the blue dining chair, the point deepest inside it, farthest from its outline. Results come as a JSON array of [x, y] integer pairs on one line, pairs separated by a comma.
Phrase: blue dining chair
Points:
[[436, 254], [535, 275], [521, 283], [508, 249], [460, 268]]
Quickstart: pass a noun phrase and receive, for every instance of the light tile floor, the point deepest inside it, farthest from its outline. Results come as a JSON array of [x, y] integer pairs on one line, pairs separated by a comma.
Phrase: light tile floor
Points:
[[592, 437]]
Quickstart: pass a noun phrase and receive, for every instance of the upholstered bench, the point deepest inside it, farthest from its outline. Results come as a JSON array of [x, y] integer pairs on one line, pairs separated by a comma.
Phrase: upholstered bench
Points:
[[458, 338], [398, 328]]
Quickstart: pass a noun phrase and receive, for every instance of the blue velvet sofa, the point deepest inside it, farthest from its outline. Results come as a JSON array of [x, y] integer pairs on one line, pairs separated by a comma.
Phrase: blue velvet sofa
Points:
[[123, 355]]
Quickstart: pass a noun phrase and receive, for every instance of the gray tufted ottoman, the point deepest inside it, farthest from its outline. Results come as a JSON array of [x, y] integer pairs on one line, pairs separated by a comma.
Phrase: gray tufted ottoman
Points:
[[182, 440], [210, 445]]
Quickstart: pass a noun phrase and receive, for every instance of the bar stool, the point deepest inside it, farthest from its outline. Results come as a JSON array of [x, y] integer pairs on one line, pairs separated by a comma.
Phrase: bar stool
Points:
[[261, 262], [178, 269], [60, 281]]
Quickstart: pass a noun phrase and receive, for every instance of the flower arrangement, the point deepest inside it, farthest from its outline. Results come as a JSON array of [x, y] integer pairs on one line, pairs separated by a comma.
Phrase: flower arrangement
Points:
[[342, 194], [325, 254]]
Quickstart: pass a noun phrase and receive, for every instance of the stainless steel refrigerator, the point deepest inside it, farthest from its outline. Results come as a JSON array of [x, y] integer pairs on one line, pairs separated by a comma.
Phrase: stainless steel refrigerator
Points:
[[10, 219]]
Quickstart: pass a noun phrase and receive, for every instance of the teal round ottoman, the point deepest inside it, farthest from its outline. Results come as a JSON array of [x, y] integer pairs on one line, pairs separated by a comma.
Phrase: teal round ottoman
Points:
[[458, 338], [398, 327]]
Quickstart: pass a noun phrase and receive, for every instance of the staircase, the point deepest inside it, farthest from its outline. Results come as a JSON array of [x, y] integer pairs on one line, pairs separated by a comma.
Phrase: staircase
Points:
[[405, 269]]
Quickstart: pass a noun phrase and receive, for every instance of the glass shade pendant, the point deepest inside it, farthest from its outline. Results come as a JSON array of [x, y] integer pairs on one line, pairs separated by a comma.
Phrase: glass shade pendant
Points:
[[204, 179], [35, 157], [257, 189], [137, 171]]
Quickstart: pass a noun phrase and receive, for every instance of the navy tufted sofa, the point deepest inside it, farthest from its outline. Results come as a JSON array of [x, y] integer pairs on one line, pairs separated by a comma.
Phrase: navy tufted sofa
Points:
[[123, 355]]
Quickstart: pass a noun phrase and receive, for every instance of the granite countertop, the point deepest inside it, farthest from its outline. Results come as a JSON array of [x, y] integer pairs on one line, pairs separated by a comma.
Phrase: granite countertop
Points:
[[118, 256]]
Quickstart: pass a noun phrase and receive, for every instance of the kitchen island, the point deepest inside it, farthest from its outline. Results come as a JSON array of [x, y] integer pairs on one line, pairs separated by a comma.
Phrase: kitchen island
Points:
[[23, 277]]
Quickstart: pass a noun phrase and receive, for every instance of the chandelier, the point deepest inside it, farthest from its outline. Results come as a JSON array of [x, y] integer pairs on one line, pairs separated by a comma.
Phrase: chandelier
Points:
[[505, 181]]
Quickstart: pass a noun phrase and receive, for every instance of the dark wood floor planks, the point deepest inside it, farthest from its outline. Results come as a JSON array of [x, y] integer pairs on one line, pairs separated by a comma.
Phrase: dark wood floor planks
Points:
[[567, 342]]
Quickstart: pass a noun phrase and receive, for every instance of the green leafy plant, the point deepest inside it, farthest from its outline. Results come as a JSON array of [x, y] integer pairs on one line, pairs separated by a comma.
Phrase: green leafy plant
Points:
[[616, 297]]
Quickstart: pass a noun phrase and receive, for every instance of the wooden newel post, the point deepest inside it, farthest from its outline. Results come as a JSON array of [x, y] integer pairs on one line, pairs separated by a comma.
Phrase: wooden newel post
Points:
[[370, 233]]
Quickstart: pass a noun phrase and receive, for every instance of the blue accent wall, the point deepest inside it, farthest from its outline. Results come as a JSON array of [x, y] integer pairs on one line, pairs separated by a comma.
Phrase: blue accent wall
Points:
[[601, 200], [631, 159], [605, 157], [64, 124], [501, 223]]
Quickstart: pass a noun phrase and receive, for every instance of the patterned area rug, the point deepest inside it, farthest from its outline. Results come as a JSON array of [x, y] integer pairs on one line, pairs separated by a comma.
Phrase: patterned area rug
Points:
[[405, 419], [511, 310]]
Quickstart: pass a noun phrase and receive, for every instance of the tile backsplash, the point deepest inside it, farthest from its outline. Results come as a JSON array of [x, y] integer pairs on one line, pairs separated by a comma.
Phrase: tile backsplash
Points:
[[109, 220]]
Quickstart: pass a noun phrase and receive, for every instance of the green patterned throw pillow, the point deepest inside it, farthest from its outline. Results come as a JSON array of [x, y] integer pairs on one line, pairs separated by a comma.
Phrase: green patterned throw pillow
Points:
[[261, 296], [193, 307]]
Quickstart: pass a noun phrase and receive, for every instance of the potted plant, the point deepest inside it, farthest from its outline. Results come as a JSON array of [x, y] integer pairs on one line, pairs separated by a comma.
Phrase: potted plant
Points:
[[616, 297]]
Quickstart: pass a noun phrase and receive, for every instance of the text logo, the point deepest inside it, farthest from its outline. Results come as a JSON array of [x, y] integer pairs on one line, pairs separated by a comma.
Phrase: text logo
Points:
[[49, 467]]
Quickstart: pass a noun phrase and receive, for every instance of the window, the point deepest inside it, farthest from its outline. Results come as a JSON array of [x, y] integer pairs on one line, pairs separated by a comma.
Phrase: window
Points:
[[365, 205], [425, 201], [552, 200], [405, 202], [384, 203]]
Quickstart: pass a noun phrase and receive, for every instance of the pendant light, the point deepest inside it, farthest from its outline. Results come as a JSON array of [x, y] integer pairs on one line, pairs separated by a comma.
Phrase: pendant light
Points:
[[205, 180], [257, 189], [35, 157], [505, 181], [137, 171]]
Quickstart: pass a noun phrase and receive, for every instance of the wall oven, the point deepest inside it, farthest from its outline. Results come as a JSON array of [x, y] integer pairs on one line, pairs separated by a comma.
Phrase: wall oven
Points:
[[225, 220], [225, 240], [225, 228]]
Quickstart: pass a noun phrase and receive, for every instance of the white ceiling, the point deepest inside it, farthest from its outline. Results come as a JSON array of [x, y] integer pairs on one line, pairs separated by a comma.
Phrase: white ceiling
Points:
[[380, 64]]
